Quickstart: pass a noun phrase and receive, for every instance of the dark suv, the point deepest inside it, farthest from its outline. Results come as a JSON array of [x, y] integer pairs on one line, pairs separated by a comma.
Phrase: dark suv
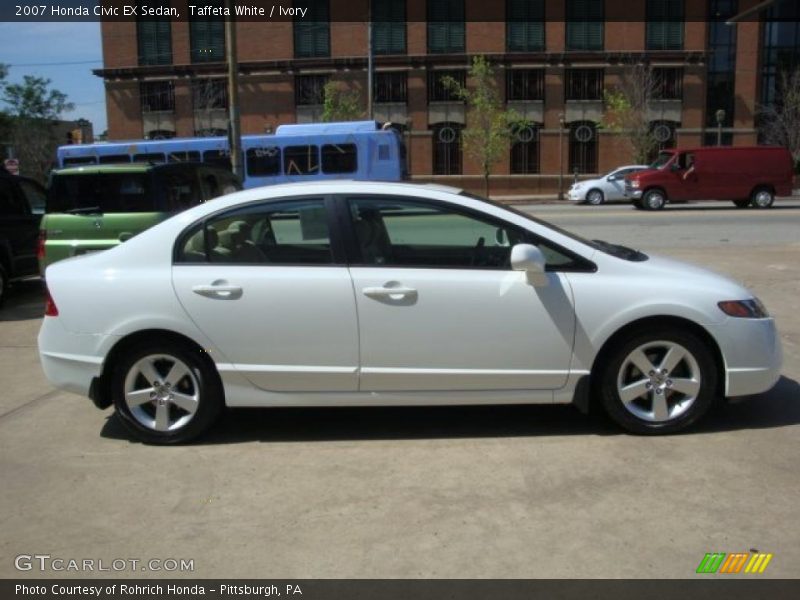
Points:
[[21, 207]]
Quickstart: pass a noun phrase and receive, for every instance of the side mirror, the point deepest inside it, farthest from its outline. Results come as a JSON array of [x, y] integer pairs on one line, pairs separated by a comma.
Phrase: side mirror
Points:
[[528, 258]]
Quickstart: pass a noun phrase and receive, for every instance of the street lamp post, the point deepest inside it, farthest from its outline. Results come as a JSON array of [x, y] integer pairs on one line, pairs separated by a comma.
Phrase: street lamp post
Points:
[[561, 156], [720, 119]]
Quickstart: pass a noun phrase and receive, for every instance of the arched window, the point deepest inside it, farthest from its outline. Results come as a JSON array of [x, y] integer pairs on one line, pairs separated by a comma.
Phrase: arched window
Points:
[[583, 147], [525, 149], [447, 148]]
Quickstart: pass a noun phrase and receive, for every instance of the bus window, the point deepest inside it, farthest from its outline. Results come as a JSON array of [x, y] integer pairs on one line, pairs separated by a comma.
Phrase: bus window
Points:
[[263, 161], [218, 158], [150, 157], [300, 160], [189, 156], [339, 158], [114, 158], [80, 160]]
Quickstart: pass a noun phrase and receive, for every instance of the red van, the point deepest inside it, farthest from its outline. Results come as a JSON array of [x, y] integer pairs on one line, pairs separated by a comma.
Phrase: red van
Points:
[[746, 176]]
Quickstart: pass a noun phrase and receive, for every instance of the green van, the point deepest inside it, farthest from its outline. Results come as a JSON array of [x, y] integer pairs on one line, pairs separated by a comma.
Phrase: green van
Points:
[[95, 207]]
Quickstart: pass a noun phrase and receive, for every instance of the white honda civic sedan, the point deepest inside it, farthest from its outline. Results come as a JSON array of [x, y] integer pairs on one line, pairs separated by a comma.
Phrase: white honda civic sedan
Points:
[[357, 294]]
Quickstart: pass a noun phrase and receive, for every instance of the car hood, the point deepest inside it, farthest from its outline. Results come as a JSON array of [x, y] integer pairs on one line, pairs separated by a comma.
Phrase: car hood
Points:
[[691, 276]]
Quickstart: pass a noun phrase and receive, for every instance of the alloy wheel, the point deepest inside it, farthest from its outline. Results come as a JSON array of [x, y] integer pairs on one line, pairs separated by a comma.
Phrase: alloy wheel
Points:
[[659, 381], [161, 392], [763, 199]]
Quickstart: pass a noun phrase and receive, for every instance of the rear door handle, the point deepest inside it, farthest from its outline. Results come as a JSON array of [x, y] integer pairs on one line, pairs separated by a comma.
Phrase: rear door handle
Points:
[[219, 290], [385, 292]]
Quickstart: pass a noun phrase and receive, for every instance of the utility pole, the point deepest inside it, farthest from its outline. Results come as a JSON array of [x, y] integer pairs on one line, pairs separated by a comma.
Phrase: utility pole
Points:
[[234, 121], [370, 65], [561, 156]]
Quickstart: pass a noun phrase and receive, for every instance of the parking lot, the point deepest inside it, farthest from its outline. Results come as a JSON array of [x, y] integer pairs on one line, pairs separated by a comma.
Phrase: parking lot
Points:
[[484, 492]]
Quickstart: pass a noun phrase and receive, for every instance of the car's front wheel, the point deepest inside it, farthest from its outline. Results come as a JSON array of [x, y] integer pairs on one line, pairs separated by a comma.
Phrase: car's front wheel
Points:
[[654, 200], [595, 197], [659, 381], [166, 393]]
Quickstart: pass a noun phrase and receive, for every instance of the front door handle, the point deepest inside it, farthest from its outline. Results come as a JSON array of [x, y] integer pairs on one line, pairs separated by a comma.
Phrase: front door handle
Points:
[[219, 290], [388, 292]]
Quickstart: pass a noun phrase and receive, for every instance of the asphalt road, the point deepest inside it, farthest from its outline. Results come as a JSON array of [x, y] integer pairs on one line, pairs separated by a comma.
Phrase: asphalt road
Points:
[[423, 492]]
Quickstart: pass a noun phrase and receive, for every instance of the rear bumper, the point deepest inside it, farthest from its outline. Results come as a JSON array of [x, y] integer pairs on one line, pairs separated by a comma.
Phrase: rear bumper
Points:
[[70, 361]]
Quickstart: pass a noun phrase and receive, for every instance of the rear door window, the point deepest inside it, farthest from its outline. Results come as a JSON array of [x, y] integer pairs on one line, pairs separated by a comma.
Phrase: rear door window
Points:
[[101, 192]]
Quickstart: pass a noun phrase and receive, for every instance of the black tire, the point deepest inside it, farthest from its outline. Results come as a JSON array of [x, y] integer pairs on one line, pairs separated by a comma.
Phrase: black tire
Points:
[[3, 285], [742, 203], [611, 373], [762, 197], [201, 380], [654, 199], [595, 197]]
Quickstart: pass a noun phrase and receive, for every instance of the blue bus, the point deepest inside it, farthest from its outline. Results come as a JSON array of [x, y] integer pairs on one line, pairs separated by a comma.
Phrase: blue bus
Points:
[[361, 150]]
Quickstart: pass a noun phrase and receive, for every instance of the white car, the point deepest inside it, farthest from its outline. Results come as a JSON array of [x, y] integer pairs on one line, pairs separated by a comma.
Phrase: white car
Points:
[[608, 187], [357, 293]]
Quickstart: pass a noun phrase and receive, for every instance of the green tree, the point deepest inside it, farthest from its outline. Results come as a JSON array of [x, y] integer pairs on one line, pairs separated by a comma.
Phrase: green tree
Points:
[[626, 110], [341, 104], [490, 125], [33, 110]]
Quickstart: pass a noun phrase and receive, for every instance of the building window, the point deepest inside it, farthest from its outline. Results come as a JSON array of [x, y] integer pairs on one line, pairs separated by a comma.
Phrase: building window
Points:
[[781, 50], [524, 25], [391, 87], [524, 84], [389, 26], [447, 149], [668, 83], [721, 73], [210, 94], [312, 32], [664, 25], [154, 39], [210, 101], [445, 26], [584, 24], [207, 38], [583, 84], [583, 147], [157, 96], [525, 150], [309, 90], [438, 91]]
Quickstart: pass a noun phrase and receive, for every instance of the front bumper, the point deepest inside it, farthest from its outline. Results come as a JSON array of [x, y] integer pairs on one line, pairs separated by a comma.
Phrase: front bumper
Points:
[[751, 349], [576, 195], [633, 193]]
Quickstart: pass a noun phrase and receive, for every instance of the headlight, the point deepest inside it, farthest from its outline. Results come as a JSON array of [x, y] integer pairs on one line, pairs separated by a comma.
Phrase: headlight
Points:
[[744, 309], [634, 183], [576, 186]]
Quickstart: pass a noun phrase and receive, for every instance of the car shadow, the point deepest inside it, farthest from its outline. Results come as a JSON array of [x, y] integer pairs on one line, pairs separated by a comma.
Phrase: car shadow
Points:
[[25, 301], [778, 408], [724, 206]]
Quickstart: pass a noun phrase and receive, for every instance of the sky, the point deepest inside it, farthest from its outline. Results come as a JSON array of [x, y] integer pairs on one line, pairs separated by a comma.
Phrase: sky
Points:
[[44, 49]]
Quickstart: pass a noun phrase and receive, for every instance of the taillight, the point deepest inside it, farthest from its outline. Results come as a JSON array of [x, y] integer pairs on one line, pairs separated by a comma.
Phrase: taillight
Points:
[[40, 245], [50, 308]]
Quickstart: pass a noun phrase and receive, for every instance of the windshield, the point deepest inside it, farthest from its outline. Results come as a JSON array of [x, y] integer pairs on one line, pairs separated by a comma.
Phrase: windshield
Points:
[[101, 193], [662, 159], [613, 249]]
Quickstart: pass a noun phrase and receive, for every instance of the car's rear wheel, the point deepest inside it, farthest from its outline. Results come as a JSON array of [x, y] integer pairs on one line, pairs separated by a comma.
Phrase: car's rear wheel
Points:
[[166, 393], [654, 200], [595, 197], [659, 381], [742, 203], [762, 198]]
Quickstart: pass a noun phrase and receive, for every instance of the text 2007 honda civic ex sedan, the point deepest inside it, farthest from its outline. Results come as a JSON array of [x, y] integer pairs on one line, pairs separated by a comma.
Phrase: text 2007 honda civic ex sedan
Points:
[[355, 293]]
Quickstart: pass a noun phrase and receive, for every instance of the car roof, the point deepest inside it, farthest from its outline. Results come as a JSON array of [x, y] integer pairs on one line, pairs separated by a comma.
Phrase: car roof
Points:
[[340, 185]]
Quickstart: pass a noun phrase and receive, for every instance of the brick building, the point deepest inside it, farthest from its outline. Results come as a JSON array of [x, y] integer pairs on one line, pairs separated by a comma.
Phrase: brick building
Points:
[[554, 59]]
